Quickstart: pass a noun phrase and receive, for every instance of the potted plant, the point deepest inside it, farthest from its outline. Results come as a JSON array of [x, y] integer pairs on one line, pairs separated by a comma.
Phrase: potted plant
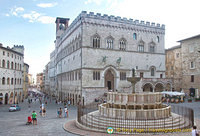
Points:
[[177, 100], [189, 99], [172, 100], [197, 99]]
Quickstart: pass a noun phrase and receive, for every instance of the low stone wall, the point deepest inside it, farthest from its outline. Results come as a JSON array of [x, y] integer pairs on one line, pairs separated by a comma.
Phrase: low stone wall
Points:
[[90, 94], [130, 99], [133, 114]]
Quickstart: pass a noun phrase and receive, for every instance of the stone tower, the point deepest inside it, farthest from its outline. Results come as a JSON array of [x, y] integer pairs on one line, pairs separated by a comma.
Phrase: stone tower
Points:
[[18, 48], [61, 26]]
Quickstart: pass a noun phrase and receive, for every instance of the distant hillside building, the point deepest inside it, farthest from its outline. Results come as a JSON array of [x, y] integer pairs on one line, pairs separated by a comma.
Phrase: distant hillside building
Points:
[[11, 74], [96, 53]]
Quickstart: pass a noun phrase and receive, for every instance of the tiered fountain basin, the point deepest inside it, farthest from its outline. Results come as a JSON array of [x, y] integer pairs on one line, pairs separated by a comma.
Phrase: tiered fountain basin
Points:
[[134, 106]]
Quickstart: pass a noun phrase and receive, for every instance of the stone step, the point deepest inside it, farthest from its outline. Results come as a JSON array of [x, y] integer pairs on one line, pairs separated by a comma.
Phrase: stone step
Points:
[[104, 128], [181, 123], [101, 119], [95, 122]]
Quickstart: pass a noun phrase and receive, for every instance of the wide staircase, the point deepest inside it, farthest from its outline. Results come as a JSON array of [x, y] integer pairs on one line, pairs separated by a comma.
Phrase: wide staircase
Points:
[[94, 121]]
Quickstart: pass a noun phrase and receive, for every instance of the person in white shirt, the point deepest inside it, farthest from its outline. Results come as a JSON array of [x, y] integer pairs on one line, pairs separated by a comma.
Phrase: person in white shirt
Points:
[[66, 112], [194, 131]]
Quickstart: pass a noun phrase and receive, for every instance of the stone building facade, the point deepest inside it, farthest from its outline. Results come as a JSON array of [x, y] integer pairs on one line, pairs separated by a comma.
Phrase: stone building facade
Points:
[[39, 81], [190, 48], [174, 66], [11, 74], [46, 79], [182, 64], [25, 80], [96, 53]]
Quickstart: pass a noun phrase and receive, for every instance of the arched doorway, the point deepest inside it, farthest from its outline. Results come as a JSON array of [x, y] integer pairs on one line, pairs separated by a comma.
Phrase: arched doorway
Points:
[[147, 88], [1, 98], [6, 98], [109, 80], [16, 98], [159, 87], [11, 100]]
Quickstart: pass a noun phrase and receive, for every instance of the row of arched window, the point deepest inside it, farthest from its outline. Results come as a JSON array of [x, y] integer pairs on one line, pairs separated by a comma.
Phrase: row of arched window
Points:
[[11, 81], [11, 65], [122, 43], [109, 42]]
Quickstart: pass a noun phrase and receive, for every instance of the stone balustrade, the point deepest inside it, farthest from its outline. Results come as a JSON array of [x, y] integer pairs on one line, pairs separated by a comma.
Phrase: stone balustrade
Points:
[[136, 98], [160, 113]]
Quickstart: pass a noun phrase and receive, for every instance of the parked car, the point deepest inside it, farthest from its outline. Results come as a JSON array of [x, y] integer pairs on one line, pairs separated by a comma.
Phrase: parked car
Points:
[[14, 107]]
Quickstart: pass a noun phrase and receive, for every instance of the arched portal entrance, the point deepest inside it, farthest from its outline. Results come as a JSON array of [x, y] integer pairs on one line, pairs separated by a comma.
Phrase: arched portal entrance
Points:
[[109, 80], [147, 88], [159, 87]]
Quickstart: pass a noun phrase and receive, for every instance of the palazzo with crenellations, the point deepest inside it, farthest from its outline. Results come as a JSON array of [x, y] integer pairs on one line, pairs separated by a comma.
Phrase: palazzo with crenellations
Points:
[[96, 53]]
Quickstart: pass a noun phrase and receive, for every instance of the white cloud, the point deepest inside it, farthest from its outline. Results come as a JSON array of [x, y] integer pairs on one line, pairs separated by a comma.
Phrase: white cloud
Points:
[[46, 5], [46, 19], [98, 2], [7, 15], [16, 10], [33, 16]]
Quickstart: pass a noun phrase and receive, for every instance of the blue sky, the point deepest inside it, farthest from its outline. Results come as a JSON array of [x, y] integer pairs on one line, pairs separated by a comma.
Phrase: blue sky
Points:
[[32, 22]]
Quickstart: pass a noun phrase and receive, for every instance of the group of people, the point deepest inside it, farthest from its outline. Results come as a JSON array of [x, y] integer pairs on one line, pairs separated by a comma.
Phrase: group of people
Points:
[[65, 112]]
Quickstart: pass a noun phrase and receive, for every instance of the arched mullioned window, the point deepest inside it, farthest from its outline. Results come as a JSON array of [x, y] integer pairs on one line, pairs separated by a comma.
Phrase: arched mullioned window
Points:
[[12, 66], [122, 44], [141, 46], [96, 41], [8, 64], [109, 43], [152, 71], [15, 81], [8, 81], [20, 67], [134, 36], [15, 65], [3, 81], [3, 63]]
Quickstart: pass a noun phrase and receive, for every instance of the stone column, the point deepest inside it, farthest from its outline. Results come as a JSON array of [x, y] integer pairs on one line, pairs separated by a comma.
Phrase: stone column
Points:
[[197, 93]]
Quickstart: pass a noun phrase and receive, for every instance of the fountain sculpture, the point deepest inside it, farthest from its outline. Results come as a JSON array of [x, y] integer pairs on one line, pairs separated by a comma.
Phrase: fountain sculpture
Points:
[[145, 108]]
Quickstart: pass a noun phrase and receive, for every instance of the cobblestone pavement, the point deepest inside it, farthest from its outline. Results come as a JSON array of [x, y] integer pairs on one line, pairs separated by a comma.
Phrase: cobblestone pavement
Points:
[[13, 123]]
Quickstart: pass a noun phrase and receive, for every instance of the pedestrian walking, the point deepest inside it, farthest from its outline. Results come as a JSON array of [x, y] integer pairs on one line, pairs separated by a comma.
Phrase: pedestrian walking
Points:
[[69, 102], [40, 110], [66, 111], [34, 118], [60, 113], [43, 112]]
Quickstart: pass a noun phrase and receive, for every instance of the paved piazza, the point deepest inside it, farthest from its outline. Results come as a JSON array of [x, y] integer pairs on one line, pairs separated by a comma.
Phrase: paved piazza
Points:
[[13, 123]]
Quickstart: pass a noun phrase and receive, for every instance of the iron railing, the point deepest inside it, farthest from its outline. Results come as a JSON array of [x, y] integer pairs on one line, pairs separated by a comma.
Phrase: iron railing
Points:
[[89, 118]]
